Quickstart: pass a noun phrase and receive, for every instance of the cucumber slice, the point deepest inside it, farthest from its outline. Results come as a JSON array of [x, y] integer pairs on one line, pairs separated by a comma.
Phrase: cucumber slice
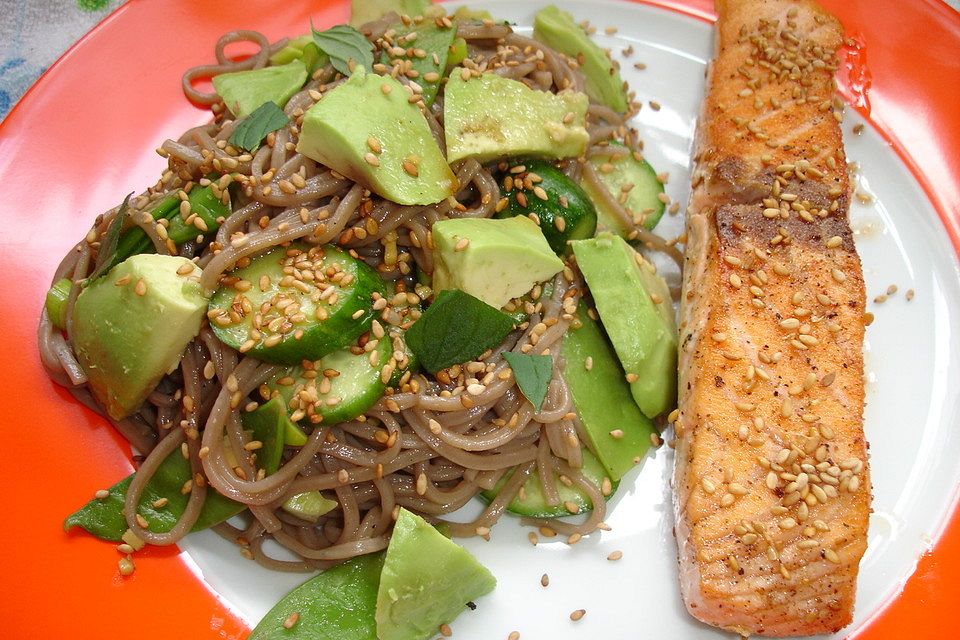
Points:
[[304, 303], [535, 504], [620, 170], [567, 213], [312, 396]]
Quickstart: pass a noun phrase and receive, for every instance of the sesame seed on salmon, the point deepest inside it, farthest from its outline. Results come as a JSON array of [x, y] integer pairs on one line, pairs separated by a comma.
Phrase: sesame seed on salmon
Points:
[[771, 484]]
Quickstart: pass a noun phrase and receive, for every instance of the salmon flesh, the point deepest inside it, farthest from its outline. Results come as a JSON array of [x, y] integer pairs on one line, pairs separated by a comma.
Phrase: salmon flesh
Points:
[[771, 483]]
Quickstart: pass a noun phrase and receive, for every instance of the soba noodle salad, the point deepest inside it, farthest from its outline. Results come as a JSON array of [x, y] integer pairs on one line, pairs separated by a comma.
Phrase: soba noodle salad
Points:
[[405, 265]]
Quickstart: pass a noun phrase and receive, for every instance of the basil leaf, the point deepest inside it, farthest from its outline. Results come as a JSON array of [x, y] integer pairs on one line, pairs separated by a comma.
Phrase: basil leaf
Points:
[[343, 43], [108, 246], [454, 329], [533, 374], [251, 131]]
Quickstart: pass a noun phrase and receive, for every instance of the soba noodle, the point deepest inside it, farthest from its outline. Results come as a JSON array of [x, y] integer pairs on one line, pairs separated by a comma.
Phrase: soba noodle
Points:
[[442, 446]]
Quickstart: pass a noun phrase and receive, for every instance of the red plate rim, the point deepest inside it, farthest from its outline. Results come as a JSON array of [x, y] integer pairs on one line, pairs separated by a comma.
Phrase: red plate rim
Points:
[[908, 99]]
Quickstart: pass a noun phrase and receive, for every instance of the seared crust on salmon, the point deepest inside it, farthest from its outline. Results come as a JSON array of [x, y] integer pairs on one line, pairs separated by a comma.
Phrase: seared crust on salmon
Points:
[[771, 484]]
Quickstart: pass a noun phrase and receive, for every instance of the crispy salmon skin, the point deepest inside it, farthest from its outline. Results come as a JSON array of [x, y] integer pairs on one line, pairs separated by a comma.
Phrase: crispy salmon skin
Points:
[[771, 483]]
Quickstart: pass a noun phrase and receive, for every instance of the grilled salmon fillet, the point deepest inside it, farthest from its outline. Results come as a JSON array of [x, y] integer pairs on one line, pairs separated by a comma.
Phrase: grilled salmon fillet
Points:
[[771, 483]]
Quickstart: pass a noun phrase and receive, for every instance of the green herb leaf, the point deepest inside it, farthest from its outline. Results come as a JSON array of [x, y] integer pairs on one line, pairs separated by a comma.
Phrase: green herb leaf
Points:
[[343, 43], [251, 131], [108, 246], [533, 374], [454, 329]]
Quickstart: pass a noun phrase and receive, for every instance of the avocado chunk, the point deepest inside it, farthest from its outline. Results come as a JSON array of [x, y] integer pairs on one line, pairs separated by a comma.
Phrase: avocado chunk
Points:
[[602, 397], [427, 580], [490, 116], [559, 205], [245, 91], [635, 308], [130, 327], [385, 144], [493, 260], [631, 181], [533, 503], [338, 604], [556, 28], [364, 11]]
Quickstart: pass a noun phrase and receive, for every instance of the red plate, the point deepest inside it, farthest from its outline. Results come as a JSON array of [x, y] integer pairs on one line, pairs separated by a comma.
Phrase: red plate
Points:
[[81, 136]]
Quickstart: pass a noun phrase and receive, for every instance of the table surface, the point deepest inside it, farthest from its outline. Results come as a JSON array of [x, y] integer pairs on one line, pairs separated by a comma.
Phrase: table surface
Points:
[[34, 33]]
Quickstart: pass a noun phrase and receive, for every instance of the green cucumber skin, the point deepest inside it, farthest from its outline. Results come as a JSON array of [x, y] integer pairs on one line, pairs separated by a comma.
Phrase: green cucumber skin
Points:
[[355, 403], [579, 216], [359, 385], [535, 504], [207, 207], [320, 337], [643, 196]]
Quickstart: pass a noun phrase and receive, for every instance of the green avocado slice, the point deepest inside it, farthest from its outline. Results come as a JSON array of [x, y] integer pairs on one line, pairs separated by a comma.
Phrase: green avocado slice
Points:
[[245, 91], [490, 116], [558, 29], [363, 11], [130, 327], [386, 144], [427, 581], [494, 260], [635, 308]]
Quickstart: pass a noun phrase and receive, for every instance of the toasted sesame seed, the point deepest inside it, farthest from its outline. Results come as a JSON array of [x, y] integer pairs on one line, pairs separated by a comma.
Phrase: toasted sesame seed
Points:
[[615, 555], [737, 489], [544, 580], [371, 159], [708, 485], [578, 614], [461, 244], [101, 494], [445, 630], [126, 566]]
